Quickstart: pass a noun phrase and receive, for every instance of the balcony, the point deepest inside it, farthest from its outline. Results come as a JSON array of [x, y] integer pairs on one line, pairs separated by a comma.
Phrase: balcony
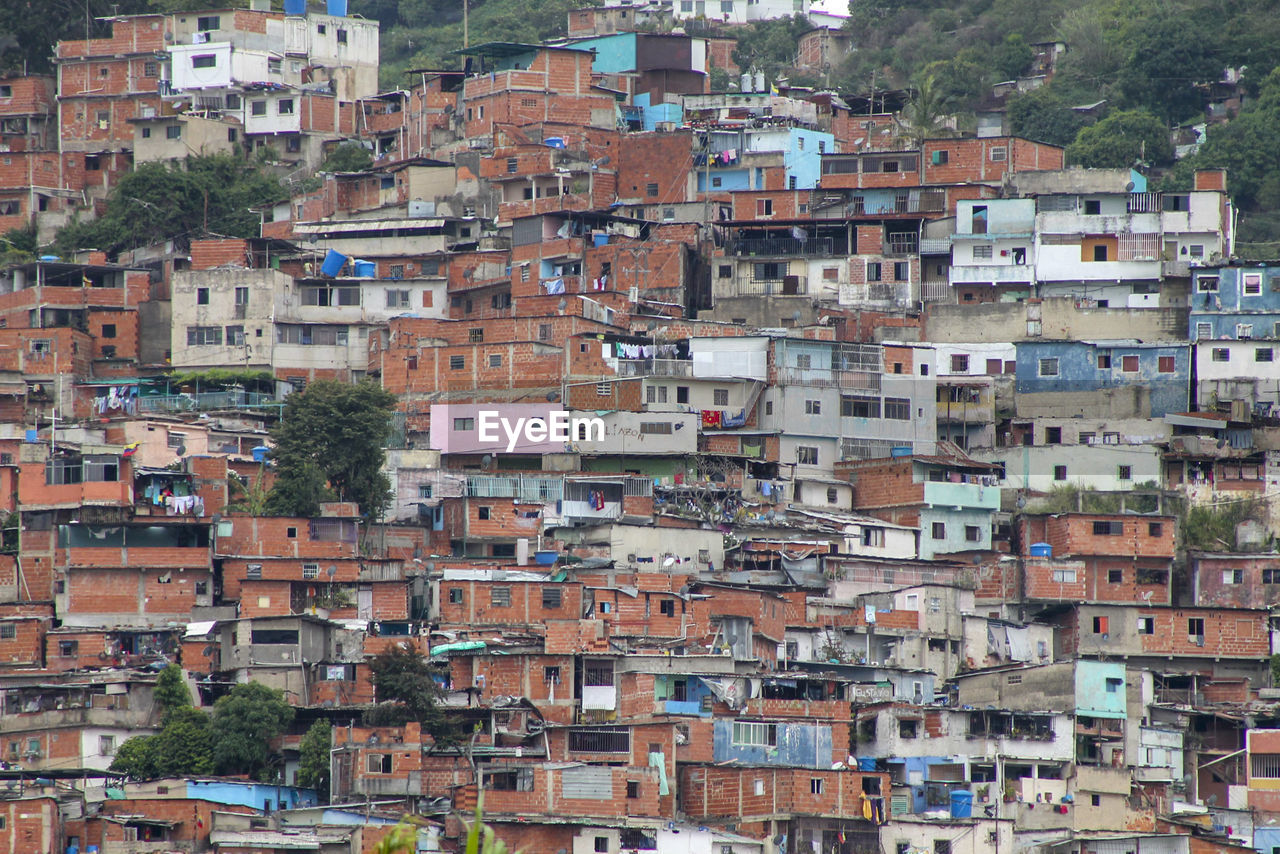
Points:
[[787, 286], [206, 400], [817, 377], [681, 368], [781, 246], [962, 495], [992, 274]]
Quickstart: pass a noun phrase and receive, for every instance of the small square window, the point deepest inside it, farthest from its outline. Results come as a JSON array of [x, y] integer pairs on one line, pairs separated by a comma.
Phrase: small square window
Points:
[[291, 533], [455, 595], [483, 513], [1096, 800], [1124, 472], [1059, 472]]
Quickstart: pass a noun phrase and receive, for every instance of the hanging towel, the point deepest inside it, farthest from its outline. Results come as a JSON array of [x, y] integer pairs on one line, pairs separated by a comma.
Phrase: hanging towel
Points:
[[736, 420], [554, 286], [711, 418], [658, 760]]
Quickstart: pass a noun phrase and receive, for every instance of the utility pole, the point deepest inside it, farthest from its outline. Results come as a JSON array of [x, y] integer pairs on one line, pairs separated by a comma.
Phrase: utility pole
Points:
[[466, 23]]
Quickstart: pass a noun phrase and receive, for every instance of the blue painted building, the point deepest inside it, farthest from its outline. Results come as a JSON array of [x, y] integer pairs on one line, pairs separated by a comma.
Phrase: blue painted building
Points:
[[682, 695], [739, 157], [1100, 689], [1164, 368], [772, 743], [1235, 302], [260, 796]]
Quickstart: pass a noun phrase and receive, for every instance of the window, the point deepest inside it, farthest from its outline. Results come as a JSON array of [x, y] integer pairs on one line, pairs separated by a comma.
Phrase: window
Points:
[[667, 607], [1108, 529], [1244, 331], [901, 271], [257, 108], [656, 428], [806, 455], [813, 407], [1124, 472], [815, 785], [682, 394], [972, 533], [1129, 364], [455, 595], [342, 36], [982, 252], [1263, 354], [857, 407], [651, 190], [1049, 367], [208, 22], [1233, 576], [1252, 284], [804, 360], [939, 530], [378, 763], [720, 397], [397, 298], [603, 389], [204, 335], [655, 394], [495, 361], [285, 107], [551, 598], [959, 363], [484, 513], [457, 363], [1059, 472], [724, 271], [1053, 435], [752, 734], [500, 597], [68, 648], [764, 207], [874, 271], [146, 133], [1063, 576], [1100, 252], [1146, 625], [1100, 625], [1221, 354], [1165, 364], [633, 791], [424, 490], [8, 631], [202, 296], [897, 408], [235, 335], [998, 154], [464, 424], [1113, 687], [1195, 629], [1207, 284], [1271, 576], [204, 60]]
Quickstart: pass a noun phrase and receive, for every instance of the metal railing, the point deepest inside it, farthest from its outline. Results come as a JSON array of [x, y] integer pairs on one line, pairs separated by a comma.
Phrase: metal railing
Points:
[[765, 246], [206, 400], [655, 368]]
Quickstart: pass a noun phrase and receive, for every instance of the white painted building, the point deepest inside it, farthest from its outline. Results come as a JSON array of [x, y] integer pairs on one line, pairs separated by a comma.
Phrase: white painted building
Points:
[[1107, 468]]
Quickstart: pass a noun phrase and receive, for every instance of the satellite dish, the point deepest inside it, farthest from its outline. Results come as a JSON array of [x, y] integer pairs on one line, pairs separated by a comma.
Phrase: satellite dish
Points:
[[333, 570], [1128, 188], [486, 459], [181, 450]]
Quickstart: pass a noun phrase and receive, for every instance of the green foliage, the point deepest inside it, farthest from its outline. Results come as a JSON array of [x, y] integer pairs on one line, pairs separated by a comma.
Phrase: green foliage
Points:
[[1045, 116], [401, 839], [19, 245], [348, 157], [1212, 528], [249, 496], [925, 113], [1166, 65], [480, 837], [244, 723], [1249, 148], [770, 45], [221, 378], [313, 763], [406, 692], [1121, 140], [171, 692], [183, 746], [158, 202], [1275, 670], [332, 432]]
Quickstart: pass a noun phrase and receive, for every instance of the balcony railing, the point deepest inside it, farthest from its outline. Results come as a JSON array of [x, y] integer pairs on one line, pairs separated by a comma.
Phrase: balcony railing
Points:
[[206, 400], [784, 246], [655, 368], [829, 379]]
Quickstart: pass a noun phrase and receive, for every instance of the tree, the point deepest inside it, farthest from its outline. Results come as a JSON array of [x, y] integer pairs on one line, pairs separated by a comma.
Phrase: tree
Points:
[[405, 689], [332, 432], [1120, 140], [244, 723], [1169, 57], [1248, 147], [925, 112], [1011, 57], [183, 746], [313, 770], [171, 692], [1043, 115], [158, 202], [348, 157]]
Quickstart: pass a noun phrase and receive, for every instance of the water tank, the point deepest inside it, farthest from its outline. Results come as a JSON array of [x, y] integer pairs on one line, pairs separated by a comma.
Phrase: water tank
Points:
[[1041, 550], [337, 7], [554, 142], [961, 803], [866, 763], [260, 453], [745, 84], [759, 82], [545, 558], [32, 436], [333, 263], [295, 7], [365, 269]]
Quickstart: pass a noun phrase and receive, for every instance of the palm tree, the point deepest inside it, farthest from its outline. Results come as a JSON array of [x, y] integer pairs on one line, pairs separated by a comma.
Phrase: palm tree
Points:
[[925, 113]]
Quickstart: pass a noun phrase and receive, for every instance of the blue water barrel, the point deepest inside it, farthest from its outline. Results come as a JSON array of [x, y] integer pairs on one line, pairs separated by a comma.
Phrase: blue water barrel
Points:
[[961, 803], [554, 142], [260, 453], [545, 558], [600, 240], [295, 7], [1041, 550], [333, 263], [364, 269], [338, 7]]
